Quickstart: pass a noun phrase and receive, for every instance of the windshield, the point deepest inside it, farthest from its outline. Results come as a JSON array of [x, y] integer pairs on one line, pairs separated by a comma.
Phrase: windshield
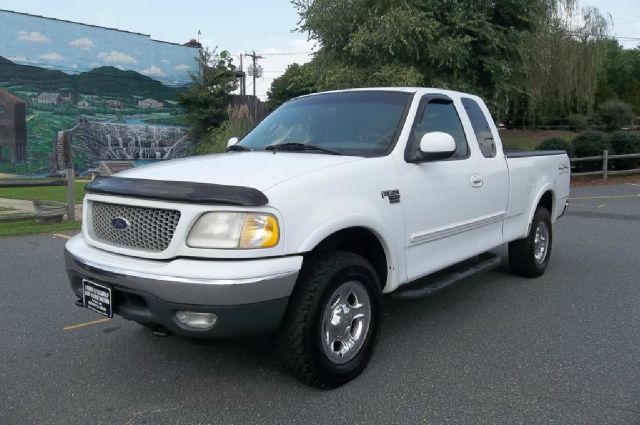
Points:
[[360, 123]]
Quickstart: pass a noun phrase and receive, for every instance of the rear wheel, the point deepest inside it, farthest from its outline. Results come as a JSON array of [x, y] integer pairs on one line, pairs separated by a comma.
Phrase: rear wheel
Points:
[[329, 331], [530, 256]]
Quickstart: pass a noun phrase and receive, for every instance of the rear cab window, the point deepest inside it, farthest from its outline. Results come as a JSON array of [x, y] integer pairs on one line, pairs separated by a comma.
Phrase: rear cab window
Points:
[[481, 127]]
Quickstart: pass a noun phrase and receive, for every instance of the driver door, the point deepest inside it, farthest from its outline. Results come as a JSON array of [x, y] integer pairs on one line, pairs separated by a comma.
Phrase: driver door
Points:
[[439, 197]]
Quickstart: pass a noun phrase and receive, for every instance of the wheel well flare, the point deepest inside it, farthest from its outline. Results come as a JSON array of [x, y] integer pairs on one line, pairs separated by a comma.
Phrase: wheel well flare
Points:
[[360, 241]]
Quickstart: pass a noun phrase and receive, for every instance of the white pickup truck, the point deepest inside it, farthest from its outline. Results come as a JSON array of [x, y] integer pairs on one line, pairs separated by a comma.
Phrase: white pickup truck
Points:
[[332, 201]]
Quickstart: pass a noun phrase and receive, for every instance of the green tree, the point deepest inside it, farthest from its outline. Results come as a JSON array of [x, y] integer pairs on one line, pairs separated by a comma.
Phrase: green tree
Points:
[[519, 55], [206, 100], [456, 44], [562, 61], [296, 81], [619, 76]]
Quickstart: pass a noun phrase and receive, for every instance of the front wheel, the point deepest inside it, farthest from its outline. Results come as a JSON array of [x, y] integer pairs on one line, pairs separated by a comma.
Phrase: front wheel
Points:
[[529, 257], [329, 331]]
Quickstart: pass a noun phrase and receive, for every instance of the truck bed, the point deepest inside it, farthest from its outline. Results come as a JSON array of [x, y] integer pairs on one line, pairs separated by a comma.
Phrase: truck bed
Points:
[[531, 174]]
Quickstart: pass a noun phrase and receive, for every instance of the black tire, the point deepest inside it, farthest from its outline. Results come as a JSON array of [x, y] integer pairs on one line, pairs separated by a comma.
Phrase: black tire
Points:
[[300, 339], [522, 253]]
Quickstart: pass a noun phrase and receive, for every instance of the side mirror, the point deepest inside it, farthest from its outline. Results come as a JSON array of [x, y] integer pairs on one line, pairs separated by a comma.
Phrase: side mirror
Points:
[[437, 145], [232, 142]]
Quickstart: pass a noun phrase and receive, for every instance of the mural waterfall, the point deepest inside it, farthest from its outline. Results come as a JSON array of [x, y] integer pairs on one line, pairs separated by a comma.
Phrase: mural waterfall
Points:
[[112, 141]]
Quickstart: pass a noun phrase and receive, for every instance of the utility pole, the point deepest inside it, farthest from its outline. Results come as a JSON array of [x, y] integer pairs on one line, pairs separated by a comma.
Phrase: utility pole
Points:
[[255, 71], [243, 78]]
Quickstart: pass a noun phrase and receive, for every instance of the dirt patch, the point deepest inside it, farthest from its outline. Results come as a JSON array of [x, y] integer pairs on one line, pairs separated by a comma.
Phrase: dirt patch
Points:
[[598, 181], [529, 139]]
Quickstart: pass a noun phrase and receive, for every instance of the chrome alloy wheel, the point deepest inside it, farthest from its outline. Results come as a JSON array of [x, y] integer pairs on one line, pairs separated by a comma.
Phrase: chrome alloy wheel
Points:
[[345, 321], [541, 242]]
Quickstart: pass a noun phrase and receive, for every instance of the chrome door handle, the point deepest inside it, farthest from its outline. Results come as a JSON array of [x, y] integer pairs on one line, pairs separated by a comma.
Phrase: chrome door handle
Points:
[[476, 181]]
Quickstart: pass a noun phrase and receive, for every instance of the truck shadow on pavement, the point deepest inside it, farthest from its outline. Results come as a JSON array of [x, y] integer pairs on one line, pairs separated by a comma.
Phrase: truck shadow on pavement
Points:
[[408, 327]]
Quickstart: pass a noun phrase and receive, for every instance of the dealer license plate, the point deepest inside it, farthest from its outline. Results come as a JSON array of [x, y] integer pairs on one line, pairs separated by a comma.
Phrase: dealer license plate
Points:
[[97, 298]]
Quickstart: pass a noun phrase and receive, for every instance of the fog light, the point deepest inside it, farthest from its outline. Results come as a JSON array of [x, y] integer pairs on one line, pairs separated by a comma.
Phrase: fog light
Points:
[[197, 320]]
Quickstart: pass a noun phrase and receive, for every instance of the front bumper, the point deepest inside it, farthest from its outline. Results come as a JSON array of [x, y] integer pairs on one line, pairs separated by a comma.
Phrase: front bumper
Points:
[[248, 296]]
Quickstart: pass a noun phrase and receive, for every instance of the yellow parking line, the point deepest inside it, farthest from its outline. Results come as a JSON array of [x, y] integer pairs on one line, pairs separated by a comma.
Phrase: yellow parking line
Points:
[[59, 235], [82, 325], [601, 206]]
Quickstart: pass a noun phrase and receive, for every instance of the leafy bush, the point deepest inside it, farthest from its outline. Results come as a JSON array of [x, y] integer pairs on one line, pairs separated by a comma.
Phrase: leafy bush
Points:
[[237, 125], [590, 143], [578, 122], [557, 144], [615, 114], [624, 142]]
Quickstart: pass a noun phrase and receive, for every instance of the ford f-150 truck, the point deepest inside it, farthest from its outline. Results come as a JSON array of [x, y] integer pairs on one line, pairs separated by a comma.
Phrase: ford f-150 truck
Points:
[[300, 228]]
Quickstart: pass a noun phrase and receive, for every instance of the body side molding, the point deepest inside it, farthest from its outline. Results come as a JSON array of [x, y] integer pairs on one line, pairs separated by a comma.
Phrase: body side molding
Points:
[[443, 232]]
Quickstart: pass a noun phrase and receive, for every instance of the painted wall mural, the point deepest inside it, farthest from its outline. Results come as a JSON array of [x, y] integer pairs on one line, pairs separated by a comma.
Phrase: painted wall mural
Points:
[[118, 89]]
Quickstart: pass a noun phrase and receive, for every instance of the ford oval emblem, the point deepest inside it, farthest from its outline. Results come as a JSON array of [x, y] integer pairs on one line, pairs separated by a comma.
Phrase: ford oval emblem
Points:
[[119, 223]]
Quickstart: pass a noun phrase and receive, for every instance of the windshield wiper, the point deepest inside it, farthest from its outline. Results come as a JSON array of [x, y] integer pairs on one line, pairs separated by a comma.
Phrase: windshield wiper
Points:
[[292, 147], [238, 148]]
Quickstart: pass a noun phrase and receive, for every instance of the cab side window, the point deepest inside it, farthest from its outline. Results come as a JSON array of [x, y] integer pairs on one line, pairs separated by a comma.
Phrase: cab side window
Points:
[[440, 115], [481, 128]]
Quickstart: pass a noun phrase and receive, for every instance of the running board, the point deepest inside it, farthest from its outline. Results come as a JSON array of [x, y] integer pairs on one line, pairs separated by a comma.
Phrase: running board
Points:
[[443, 279]]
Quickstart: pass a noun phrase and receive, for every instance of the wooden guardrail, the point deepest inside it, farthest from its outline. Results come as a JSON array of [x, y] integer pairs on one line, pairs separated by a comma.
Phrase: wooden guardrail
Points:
[[31, 182], [64, 138], [10, 218], [605, 158]]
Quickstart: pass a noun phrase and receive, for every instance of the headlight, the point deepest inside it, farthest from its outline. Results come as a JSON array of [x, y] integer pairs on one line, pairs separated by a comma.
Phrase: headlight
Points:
[[234, 230]]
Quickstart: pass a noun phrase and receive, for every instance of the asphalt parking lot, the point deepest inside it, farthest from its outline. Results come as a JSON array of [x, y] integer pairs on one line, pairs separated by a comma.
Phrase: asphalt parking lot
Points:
[[562, 349]]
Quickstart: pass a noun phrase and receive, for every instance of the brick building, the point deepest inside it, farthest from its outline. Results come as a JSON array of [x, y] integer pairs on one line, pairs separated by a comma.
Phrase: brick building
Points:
[[49, 99], [115, 104], [13, 126]]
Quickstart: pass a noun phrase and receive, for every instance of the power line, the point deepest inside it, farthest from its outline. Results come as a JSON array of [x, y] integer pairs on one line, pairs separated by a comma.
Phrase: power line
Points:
[[288, 53]]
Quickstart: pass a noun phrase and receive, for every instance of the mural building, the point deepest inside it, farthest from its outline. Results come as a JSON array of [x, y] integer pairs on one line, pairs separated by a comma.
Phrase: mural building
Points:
[[116, 90]]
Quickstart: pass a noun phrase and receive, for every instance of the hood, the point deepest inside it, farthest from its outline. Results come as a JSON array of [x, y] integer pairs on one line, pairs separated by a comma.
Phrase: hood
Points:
[[259, 170]]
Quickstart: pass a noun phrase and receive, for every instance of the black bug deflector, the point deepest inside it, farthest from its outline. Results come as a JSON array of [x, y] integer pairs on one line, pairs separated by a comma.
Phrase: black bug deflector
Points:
[[191, 192]]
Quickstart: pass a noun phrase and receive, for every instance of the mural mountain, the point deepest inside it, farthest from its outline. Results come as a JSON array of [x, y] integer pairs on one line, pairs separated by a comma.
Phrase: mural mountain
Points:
[[102, 81]]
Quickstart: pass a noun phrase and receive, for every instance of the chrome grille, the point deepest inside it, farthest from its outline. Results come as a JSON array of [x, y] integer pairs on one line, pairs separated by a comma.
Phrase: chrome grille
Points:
[[144, 228]]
